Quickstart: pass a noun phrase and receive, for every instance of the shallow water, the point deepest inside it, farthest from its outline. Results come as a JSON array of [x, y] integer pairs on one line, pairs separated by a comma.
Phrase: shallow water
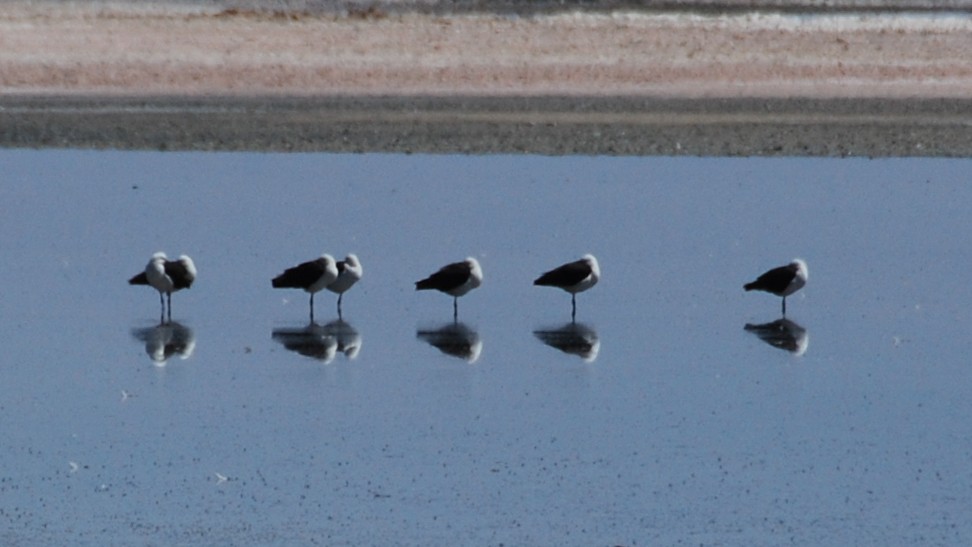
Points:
[[657, 419]]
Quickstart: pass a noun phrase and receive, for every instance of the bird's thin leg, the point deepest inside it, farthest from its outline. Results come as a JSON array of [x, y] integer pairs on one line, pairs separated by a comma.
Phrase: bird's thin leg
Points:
[[784, 306], [340, 296], [161, 308], [455, 309], [573, 307], [312, 307], [168, 297]]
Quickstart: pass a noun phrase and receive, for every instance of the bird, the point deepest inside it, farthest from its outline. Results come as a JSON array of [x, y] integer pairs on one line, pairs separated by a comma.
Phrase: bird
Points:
[[573, 277], [166, 276], [782, 281], [349, 273], [454, 279], [311, 276]]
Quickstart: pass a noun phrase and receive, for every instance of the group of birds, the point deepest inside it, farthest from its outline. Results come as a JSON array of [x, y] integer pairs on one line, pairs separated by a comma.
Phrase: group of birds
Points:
[[456, 279], [459, 278], [322, 273]]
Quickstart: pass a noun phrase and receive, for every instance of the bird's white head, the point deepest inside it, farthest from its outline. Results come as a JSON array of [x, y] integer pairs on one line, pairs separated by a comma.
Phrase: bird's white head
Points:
[[802, 271], [595, 267], [189, 264], [477, 272], [352, 261], [157, 263]]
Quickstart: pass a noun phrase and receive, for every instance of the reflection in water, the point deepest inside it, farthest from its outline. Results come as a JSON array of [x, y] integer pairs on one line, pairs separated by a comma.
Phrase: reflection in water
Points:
[[456, 339], [573, 338], [321, 342], [165, 340], [783, 334]]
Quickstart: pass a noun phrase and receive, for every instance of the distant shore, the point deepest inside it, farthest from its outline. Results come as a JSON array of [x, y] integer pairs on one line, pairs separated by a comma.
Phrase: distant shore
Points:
[[211, 77], [482, 125]]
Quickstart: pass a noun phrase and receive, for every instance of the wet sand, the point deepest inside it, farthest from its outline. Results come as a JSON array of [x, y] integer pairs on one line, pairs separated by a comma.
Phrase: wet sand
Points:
[[184, 77]]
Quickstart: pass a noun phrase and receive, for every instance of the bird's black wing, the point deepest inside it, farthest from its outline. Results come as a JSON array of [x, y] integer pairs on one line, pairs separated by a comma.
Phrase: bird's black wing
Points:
[[567, 275], [447, 278], [181, 277], [300, 276], [140, 279], [775, 280]]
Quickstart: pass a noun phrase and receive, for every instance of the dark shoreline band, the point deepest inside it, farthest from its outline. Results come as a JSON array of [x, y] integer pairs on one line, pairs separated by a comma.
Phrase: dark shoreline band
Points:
[[550, 125]]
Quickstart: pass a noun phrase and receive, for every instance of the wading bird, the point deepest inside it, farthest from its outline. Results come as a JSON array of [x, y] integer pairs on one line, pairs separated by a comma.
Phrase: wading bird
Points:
[[455, 279], [311, 276], [573, 277], [349, 273], [782, 281], [166, 276]]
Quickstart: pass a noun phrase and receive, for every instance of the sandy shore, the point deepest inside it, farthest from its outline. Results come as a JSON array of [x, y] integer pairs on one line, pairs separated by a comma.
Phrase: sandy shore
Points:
[[180, 76]]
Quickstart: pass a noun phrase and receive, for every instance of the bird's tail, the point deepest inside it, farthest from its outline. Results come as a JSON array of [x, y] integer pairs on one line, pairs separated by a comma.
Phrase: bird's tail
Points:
[[285, 282], [140, 279], [424, 285], [548, 279], [750, 286]]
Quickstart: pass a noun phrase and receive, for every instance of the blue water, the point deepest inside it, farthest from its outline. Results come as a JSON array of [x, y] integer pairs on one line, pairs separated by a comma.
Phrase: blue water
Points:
[[679, 427]]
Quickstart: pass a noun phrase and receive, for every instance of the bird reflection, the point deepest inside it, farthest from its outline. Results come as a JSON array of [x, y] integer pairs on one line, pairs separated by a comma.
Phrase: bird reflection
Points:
[[321, 342], [456, 339], [573, 338], [165, 340], [782, 333], [348, 338]]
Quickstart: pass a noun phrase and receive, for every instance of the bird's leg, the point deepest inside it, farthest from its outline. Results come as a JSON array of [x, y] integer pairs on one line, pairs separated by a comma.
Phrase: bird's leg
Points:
[[161, 308], [312, 308], [573, 307], [455, 309], [340, 296], [168, 297], [784, 306]]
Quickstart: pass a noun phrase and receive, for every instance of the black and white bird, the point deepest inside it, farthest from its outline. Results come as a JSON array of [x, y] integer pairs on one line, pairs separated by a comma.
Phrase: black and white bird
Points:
[[311, 276], [455, 279], [782, 281], [573, 277], [166, 276], [349, 273]]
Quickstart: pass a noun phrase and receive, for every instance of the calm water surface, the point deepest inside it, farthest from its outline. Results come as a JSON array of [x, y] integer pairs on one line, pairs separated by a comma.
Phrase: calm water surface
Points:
[[657, 419]]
